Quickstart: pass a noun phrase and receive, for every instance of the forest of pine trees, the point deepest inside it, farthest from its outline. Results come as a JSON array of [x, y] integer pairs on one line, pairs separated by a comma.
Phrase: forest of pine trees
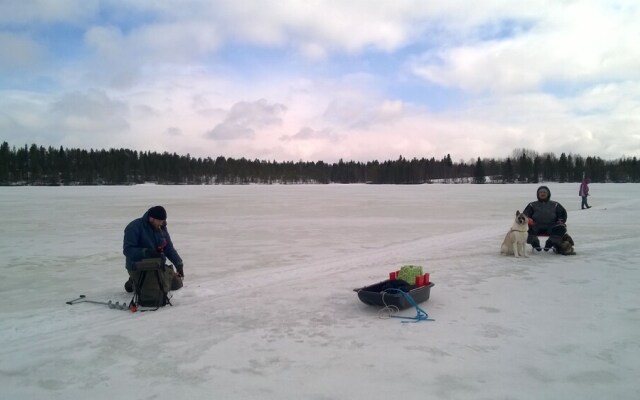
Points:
[[37, 165]]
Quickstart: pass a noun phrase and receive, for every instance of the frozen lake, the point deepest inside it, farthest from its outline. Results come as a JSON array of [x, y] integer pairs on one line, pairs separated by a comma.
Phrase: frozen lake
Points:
[[268, 311]]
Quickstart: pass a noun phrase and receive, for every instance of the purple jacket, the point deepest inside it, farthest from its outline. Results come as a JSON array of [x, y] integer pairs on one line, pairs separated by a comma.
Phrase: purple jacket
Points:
[[584, 187]]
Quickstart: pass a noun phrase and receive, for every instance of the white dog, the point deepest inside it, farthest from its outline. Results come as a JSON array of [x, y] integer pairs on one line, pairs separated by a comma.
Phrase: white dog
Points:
[[515, 241]]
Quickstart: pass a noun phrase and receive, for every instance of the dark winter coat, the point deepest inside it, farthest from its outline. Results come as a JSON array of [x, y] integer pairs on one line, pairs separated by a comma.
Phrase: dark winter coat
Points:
[[547, 213], [140, 235]]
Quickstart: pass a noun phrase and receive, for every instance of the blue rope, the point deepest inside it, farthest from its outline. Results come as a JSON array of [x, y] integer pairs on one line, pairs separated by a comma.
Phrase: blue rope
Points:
[[421, 315]]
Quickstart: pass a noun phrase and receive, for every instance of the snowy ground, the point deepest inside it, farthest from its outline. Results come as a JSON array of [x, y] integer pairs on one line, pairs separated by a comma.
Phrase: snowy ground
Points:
[[268, 311]]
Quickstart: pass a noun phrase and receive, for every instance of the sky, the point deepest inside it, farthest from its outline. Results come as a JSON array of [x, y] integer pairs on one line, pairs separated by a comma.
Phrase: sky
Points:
[[323, 80], [268, 310]]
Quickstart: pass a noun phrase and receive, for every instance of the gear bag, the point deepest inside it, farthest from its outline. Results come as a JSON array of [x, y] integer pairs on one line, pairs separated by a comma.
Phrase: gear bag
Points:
[[151, 284]]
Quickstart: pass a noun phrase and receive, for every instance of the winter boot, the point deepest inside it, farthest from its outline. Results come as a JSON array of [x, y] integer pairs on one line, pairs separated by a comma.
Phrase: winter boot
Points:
[[536, 245], [176, 282], [532, 239], [128, 285]]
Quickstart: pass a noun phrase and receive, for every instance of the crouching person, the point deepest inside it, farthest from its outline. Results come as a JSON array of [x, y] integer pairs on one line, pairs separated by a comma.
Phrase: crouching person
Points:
[[147, 242]]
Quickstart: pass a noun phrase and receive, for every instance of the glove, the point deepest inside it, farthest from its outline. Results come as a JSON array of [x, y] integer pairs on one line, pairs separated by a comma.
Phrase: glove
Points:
[[180, 269], [160, 248], [150, 253]]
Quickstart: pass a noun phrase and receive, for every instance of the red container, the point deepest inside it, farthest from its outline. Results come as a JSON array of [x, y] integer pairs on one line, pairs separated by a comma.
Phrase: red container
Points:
[[419, 280], [426, 278], [393, 275]]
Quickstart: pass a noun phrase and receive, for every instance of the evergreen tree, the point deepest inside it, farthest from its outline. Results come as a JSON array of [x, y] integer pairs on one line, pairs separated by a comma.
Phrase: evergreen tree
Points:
[[5, 164], [563, 168], [478, 172], [548, 169], [507, 171], [536, 169], [35, 165], [525, 168], [578, 170]]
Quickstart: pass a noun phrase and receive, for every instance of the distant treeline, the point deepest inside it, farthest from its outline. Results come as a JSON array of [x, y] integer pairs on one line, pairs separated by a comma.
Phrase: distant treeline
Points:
[[37, 165]]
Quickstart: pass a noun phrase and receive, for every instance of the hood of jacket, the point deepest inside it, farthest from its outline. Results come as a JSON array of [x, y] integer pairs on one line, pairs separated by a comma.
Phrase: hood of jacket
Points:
[[548, 191]]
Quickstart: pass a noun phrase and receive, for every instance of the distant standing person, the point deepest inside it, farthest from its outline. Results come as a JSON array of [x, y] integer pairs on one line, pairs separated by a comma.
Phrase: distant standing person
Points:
[[148, 237], [584, 192]]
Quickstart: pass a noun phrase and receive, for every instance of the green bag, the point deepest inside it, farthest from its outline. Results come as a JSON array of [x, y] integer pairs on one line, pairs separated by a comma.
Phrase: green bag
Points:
[[408, 273], [152, 283]]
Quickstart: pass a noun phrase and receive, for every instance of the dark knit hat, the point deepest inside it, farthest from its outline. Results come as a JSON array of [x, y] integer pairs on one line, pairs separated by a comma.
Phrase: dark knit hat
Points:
[[158, 212]]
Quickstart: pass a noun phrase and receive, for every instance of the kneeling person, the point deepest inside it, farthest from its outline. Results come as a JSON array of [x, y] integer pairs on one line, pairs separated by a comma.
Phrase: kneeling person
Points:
[[148, 238]]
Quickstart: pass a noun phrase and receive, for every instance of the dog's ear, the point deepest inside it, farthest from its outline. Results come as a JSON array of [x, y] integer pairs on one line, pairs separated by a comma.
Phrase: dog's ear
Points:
[[517, 213]]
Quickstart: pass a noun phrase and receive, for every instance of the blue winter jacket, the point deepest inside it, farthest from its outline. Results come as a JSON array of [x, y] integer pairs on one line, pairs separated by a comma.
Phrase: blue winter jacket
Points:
[[140, 235]]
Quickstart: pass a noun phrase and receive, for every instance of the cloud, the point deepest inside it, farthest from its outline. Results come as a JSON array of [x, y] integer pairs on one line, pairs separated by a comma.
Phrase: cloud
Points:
[[390, 110], [357, 110], [137, 55], [347, 27], [314, 28], [89, 113], [19, 52], [28, 12], [244, 117], [174, 42], [411, 77], [173, 131], [84, 119], [108, 41], [583, 43], [24, 117], [307, 133], [351, 101]]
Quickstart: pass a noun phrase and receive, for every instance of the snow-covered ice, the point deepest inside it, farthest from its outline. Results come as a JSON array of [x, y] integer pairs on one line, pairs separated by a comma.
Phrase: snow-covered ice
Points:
[[268, 309]]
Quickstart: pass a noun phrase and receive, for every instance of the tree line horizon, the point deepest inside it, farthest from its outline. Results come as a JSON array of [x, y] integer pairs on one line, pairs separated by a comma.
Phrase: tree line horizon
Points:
[[39, 166]]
